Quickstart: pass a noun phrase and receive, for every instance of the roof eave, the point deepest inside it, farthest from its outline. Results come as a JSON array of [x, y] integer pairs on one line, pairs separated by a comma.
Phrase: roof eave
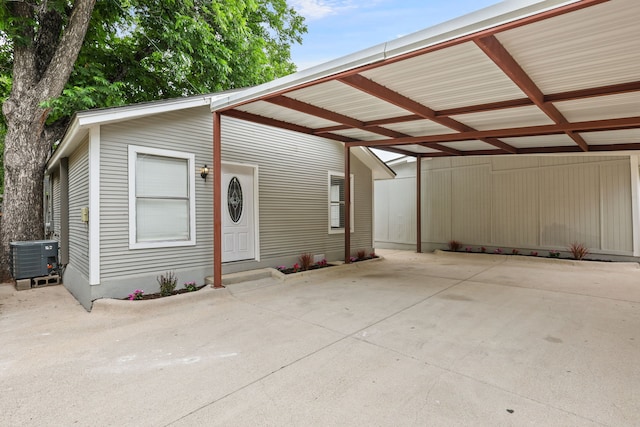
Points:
[[480, 20]]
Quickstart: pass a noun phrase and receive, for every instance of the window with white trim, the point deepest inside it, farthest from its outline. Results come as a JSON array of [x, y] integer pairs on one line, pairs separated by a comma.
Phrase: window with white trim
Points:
[[161, 198], [337, 203]]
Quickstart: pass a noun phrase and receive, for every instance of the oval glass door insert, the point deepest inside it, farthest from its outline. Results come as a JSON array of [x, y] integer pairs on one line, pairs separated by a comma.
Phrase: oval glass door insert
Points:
[[234, 199]]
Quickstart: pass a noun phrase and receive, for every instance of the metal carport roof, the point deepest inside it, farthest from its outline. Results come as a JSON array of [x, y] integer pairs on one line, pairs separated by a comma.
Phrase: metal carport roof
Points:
[[519, 77]]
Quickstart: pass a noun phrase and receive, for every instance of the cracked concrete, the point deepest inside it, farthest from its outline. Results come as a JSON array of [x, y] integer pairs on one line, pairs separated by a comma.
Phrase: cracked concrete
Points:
[[414, 339]]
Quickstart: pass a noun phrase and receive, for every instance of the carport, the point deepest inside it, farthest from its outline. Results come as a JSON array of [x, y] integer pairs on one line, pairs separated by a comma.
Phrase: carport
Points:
[[522, 77]]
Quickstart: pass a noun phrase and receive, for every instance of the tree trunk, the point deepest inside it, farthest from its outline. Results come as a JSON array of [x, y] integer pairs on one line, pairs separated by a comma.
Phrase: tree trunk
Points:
[[27, 142], [25, 156]]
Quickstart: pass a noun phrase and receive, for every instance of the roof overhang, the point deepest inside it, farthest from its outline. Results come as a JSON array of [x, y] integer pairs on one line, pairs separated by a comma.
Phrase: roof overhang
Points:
[[82, 121], [519, 77]]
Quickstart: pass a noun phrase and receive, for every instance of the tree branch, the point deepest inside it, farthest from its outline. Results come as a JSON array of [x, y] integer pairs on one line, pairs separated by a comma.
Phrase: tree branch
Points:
[[59, 70]]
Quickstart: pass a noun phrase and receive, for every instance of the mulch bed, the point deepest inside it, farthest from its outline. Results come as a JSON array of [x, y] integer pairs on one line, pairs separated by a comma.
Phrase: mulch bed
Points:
[[159, 295]]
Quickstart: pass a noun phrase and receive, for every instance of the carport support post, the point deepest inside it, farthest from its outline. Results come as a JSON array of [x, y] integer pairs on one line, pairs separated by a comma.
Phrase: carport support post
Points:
[[347, 204], [418, 204], [217, 201]]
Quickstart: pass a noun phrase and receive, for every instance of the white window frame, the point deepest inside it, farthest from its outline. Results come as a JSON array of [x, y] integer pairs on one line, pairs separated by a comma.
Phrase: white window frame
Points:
[[352, 210], [134, 150]]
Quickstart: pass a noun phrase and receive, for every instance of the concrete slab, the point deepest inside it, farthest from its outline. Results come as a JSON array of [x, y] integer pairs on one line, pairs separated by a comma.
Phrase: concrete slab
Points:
[[414, 339]]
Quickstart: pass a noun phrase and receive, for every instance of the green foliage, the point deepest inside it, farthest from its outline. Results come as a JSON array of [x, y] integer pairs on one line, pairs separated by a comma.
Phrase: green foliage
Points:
[[167, 283], [143, 50]]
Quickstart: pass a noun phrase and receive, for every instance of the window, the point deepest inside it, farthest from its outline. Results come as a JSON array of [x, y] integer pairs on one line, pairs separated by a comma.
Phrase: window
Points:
[[337, 203], [161, 198]]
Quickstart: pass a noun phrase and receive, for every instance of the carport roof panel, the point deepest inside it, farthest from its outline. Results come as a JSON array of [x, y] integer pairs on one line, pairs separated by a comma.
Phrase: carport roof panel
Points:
[[495, 77], [595, 46], [448, 78], [338, 97]]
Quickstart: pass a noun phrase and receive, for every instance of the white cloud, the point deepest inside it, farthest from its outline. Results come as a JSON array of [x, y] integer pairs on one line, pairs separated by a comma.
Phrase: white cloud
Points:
[[317, 9]]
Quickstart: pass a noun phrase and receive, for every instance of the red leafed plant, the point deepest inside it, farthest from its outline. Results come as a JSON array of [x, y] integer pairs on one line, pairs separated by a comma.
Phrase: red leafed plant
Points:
[[306, 261], [454, 245], [578, 250]]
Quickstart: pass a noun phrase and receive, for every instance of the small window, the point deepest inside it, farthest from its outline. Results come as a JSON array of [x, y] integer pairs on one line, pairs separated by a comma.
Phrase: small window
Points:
[[161, 198], [337, 203]]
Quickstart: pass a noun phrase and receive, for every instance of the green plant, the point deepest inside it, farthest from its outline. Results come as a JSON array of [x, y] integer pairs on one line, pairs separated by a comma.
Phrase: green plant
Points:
[[578, 250], [454, 245], [136, 295], [190, 286], [167, 283], [361, 254], [305, 260], [554, 254]]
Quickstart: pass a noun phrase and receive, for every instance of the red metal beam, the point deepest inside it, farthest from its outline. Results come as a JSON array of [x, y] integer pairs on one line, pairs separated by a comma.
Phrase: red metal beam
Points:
[[313, 110], [418, 204], [588, 126], [382, 92], [503, 59]]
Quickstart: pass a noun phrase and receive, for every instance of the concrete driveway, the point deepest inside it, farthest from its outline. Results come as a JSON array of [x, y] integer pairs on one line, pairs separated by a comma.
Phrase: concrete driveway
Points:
[[414, 339]]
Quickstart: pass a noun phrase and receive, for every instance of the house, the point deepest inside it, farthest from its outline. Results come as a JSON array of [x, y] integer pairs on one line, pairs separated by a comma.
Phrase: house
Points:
[[482, 95], [130, 199]]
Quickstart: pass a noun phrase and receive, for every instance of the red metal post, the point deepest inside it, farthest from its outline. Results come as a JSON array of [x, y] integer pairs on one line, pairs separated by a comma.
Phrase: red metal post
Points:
[[347, 204], [217, 201], [418, 204]]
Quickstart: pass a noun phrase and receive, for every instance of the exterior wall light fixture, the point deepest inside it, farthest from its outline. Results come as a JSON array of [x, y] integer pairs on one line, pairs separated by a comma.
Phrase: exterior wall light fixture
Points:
[[204, 171]]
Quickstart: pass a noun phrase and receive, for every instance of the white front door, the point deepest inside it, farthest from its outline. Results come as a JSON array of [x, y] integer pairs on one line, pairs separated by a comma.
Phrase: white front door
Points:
[[238, 223]]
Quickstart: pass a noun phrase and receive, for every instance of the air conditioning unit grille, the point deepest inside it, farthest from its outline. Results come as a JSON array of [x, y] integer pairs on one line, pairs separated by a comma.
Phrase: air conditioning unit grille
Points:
[[33, 258]]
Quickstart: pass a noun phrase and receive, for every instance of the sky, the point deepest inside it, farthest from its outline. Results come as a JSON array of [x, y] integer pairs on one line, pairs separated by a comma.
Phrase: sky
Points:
[[340, 27]]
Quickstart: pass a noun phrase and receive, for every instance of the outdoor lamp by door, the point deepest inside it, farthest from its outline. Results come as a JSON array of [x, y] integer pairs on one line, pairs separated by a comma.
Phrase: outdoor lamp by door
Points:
[[204, 171]]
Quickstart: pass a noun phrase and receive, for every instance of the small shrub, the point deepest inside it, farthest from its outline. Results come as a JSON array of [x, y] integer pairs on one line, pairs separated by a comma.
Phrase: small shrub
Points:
[[361, 254], [515, 252], [353, 259], [296, 267], [305, 260], [136, 295], [191, 286], [533, 253], [554, 254], [322, 263], [167, 283], [578, 250], [498, 251], [373, 255], [454, 245], [483, 249], [468, 249]]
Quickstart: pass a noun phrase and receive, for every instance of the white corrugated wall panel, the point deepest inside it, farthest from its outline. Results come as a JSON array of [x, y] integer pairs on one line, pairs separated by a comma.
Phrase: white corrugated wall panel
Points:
[[525, 202], [570, 206], [515, 209], [471, 204], [78, 199], [436, 205], [617, 219], [382, 189]]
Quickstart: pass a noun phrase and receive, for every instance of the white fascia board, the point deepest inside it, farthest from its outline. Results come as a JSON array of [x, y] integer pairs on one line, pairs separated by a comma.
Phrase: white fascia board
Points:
[[489, 17], [379, 170], [364, 57], [82, 121]]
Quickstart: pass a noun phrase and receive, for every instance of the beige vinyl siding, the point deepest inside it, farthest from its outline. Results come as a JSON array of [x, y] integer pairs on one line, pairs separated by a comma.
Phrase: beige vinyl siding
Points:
[[521, 202], [188, 131], [293, 188], [78, 199]]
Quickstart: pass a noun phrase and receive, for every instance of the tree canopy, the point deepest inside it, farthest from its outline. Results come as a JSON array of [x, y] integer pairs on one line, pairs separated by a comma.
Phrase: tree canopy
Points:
[[143, 50]]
